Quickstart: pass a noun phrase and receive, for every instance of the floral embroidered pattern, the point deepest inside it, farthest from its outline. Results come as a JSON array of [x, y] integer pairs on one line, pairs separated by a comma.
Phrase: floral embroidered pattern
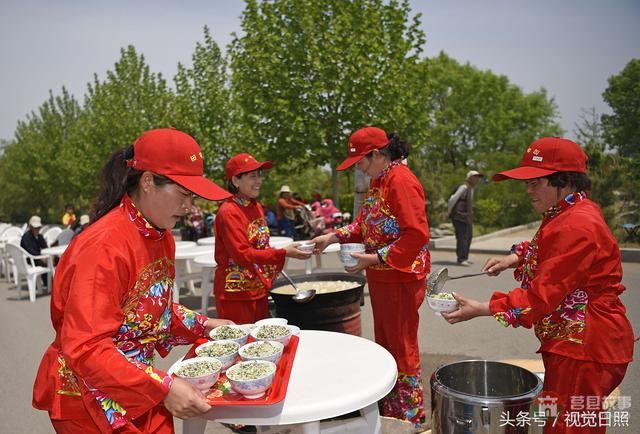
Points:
[[567, 322], [259, 277], [406, 400], [68, 382], [510, 317]]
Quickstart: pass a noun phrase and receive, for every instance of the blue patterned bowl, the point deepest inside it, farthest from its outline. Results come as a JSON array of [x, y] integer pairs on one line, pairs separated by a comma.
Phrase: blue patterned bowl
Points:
[[275, 357], [215, 334], [255, 387], [202, 382], [226, 359]]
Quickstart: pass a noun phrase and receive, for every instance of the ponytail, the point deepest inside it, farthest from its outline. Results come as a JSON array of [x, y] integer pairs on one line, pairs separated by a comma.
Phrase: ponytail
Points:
[[117, 179], [396, 149]]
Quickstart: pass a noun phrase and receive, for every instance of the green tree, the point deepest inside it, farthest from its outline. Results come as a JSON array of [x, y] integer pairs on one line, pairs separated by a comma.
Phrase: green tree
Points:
[[201, 106], [32, 168], [307, 73], [476, 120], [131, 100], [622, 131], [622, 128]]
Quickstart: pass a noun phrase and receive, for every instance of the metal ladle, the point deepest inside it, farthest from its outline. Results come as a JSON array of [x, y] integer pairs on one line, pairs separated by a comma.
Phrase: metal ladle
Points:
[[304, 296], [437, 279]]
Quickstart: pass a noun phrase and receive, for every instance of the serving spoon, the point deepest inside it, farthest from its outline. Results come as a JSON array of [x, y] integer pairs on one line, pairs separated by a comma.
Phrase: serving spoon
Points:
[[304, 296], [437, 279]]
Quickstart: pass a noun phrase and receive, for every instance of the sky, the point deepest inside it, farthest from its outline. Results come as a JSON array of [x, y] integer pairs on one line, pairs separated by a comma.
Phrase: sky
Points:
[[568, 47]]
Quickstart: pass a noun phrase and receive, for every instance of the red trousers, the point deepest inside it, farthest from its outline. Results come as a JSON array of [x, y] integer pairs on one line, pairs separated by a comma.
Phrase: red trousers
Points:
[[243, 311], [581, 387], [395, 320], [157, 421]]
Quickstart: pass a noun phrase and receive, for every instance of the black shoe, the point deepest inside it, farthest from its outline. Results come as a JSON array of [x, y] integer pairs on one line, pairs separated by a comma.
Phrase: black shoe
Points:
[[241, 429]]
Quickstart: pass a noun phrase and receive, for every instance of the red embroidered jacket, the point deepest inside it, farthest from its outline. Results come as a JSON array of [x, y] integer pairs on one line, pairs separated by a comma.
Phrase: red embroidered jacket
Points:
[[246, 263], [111, 308], [392, 222], [571, 273]]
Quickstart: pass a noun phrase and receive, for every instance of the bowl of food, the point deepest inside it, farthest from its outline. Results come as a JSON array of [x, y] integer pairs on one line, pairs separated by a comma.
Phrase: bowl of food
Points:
[[306, 246], [346, 250], [272, 321], [268, 332], [251, 379], [202, 372], [262, 350], [225, 351], [442, 302], [231, 332]]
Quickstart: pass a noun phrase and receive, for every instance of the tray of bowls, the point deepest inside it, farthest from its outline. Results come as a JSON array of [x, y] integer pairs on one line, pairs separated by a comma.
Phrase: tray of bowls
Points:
[[242, 364]]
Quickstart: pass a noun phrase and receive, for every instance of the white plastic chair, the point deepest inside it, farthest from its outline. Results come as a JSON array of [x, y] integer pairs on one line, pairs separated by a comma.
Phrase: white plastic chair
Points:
[[52, 235], [25, 268], [12, 234], [65, 237]]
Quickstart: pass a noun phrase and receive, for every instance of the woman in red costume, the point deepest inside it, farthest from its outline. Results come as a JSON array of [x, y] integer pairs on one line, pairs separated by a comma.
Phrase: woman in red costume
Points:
[[569, 275], [246, 264], [111, 303], [393, 226]]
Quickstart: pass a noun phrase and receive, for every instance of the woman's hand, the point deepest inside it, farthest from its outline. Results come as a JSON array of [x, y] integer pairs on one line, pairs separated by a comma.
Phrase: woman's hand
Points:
[[468, 309], [323, 241], [364, 260], [496, 264], [292, 251], [184, 400], [215, 322]]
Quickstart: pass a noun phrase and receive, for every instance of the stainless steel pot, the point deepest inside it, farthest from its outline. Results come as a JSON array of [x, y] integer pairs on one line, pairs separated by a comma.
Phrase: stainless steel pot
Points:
[[473, 396]]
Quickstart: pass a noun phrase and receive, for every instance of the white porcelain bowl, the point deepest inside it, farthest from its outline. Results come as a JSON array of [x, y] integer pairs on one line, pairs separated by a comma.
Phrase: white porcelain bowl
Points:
[[306, 246], [257, 333], [441, 304], [251, 388], [202, 382], [345, 253], [217, 333], [275, 357], [272, 321], [226, 359]]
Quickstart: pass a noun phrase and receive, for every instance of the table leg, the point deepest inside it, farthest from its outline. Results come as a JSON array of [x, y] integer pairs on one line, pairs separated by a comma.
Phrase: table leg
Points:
[[310, 428], [206, 290], [371, 415], [194, 425], [50, 261], [308, 266]]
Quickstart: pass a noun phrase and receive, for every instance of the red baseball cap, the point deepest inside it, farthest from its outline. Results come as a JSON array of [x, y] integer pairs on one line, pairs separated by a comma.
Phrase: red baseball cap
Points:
[[361, 143], [546, 156], [243, 163], [176, 155]]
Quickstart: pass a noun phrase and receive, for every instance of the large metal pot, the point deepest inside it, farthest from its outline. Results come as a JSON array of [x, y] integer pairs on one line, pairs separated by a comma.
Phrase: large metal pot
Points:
[[336, 311], [473, 396]]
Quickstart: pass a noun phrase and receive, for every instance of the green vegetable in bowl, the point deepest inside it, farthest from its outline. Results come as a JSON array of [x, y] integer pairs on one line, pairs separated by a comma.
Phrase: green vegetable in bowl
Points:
[[443, 296], [198, 369], [250, 371], [226, 332], [218, 349], [260, 349], [272, 332]]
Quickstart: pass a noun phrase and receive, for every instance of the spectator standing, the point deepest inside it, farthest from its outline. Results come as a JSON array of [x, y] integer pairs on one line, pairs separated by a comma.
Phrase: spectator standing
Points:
[[69, 216], [460, 211]]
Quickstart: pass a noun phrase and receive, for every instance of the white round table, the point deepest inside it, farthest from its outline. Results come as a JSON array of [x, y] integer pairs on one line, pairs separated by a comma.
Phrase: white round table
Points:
[[52, 253], [332, 374], [207, 241], [280, 242], [183, 244]]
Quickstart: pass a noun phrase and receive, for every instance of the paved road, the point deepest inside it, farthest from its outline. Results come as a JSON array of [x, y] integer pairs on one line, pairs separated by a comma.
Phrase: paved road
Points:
[[26, 331]]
